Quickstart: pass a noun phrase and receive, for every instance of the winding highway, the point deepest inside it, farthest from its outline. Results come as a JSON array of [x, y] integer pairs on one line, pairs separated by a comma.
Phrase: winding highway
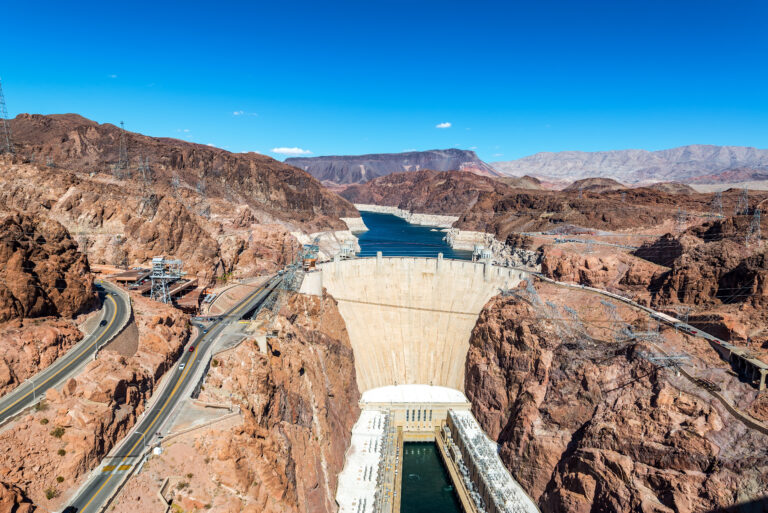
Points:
[[105, 481], [115, 312]]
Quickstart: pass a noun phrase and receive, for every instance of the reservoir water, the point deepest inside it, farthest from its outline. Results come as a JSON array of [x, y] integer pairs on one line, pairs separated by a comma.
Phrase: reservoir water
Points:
[[394, 236], [426, 486]]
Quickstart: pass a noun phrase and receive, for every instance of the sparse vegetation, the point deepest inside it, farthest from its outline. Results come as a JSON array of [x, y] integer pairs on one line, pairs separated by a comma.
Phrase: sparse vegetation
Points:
[[182, 485], [41, 406], [51, 493], [214, 363], [43, 421], [60, 479], [62, 452], [190, 475], [58, 432]]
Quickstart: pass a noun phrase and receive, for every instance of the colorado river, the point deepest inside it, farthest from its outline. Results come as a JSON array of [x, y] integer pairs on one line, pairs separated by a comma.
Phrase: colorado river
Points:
[[394, 236]]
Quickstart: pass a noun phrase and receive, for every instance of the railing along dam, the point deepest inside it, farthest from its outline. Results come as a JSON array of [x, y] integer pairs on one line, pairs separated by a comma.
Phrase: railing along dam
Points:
[[409, 319]]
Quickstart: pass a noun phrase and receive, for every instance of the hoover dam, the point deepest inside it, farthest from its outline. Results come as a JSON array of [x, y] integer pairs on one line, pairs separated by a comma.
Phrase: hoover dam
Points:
[[409, 321]]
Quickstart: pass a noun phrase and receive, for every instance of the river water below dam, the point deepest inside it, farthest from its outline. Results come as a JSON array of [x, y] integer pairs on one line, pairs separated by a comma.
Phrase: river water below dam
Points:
[[394, 236], [426, 486]]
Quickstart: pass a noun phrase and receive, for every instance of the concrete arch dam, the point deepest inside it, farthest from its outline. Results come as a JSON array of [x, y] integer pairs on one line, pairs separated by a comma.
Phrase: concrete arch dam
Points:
[[410, 319]]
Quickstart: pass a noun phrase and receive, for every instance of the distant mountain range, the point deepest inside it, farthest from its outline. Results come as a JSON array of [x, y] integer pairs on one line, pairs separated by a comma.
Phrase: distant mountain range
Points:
[[694, 163], [349, 169]]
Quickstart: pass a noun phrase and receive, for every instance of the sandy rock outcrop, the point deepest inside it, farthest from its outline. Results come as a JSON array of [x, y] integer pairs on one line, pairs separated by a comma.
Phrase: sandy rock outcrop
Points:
[[298, 402], [13, 500], [73, 429], [42, 273], [29, 345], [592, 427]]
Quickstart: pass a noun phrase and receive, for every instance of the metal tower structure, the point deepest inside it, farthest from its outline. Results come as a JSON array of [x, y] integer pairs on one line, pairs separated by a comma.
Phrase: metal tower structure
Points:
[[753, 232], [742, 208], [122, 155], [716, 206], [7, 142], [164, 271], [681, 219], [148, 197]]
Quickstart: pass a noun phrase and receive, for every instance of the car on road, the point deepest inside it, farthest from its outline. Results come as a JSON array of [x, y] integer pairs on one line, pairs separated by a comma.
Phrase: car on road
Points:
[[103, 323], [205, 330], [191, 349], [181, 366]]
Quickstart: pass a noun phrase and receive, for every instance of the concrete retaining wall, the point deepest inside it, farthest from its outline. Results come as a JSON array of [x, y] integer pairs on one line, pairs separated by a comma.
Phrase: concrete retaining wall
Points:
[[410, 319]]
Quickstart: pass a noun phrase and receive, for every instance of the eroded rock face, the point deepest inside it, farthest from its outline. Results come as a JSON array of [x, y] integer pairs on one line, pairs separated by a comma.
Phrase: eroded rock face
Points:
[[298, 402], [13, 500], [29, 345], [72, 430], [590, 428], [287, 193], [42, 273], [612, 271], [110, 220]]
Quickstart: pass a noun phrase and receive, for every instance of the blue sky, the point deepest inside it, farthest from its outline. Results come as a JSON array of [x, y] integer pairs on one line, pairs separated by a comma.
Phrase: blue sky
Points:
[[512, 78]]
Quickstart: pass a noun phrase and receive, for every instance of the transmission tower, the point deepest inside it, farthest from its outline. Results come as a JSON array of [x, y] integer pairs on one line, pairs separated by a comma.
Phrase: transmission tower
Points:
[[681, 219], [683, 311], [717, 205], [753, 232], [7, 141], [164, 272], [205, 209], [122, 154], [148, 197], [615, 319], [742, 208]]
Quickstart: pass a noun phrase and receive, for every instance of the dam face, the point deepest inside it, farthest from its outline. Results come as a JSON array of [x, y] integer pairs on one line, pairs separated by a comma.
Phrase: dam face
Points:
[[409, 319]]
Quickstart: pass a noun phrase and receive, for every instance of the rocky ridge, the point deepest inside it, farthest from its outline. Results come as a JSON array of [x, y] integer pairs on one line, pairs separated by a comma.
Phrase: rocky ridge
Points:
[[351, 169], [684, 163]]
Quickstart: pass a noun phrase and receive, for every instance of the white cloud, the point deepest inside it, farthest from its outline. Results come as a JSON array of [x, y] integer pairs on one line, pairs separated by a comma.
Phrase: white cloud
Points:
[[443, 125], [244, 113], [498, 154], [473, 147], [290, 151], [113, 76]]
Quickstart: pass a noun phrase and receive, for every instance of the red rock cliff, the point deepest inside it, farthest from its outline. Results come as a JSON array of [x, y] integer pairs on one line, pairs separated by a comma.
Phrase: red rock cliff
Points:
[[592, 427]]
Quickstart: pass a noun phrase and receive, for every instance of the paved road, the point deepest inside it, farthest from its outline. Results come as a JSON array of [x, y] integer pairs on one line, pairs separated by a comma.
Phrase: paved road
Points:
[[106, 480], [115, 311]]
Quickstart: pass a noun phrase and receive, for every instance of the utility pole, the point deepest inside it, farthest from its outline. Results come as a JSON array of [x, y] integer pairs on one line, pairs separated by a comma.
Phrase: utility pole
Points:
[[7, 142]]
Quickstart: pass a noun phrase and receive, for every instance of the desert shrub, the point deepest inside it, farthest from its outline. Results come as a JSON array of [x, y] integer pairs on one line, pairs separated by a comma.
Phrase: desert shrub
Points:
[[58, 432]]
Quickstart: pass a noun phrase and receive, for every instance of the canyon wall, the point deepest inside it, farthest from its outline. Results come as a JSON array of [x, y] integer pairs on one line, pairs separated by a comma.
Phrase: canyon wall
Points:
[[298, 402], [402, 312], [587, 425]]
